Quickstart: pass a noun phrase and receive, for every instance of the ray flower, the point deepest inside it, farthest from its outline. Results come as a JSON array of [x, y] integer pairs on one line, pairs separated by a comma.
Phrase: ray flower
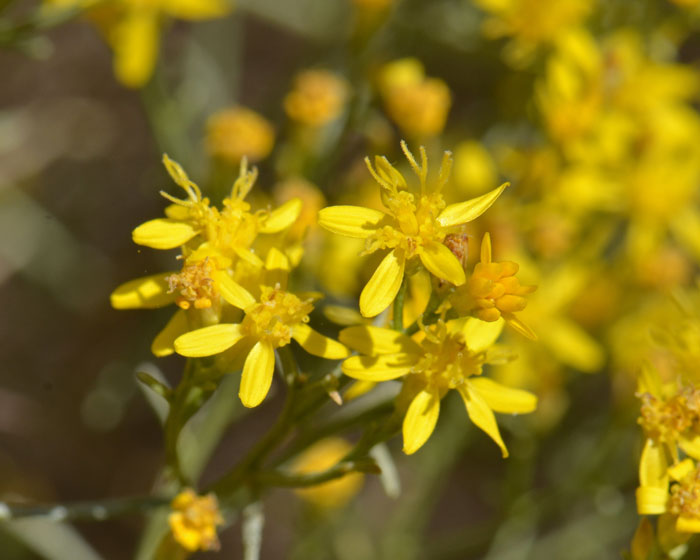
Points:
[[270, 322], [448, 356], [414, 227], [231, 231]]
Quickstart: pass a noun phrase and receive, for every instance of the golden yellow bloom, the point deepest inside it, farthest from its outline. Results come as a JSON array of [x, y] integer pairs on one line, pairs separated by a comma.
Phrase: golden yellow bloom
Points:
[[269, 323], [493, 291], [239, 132], [132, 28], [414, 227], [444, 356], [194, 519], [230, 231], [531, 23], [318, 97], [322, 456], [417, 104], [475, 170]]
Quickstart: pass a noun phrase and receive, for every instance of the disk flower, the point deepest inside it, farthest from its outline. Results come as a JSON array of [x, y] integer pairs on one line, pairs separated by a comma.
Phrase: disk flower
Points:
[[270, 322], [415, 226], [448, 356], [194, 519], [230, 231], [493, 291]]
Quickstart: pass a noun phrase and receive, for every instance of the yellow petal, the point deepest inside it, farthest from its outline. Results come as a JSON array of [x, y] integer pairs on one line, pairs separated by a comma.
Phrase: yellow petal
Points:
[[571, 345], [276, 259], [196, 9], [380, 368], [177, 212], [420, 420], [163, 233], [149, 292], [690, 446], [163, 345], [480, 335], [500, 398], [282, 217], [680, 470], [441, 262], [520, 327], [464, 212], [342, 315], [317, 344], [688, 525], [209, 340], [374, 341], [480, 413], [486, 248], [357, 389], [651, 500], [653, 465], [135, 42], [232, 291], [352, 221], [383, 286], [257, 374], [649, 380]]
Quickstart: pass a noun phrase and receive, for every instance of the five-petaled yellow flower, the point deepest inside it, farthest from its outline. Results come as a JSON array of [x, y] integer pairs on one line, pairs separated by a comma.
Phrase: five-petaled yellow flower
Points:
[[415, 226], [443, 356], [270, 322]]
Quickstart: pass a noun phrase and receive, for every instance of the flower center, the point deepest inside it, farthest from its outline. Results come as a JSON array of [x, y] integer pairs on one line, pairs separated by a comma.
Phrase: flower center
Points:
[[274, 316], [447, 361], [665, 421], [194, 285], [685, 496]]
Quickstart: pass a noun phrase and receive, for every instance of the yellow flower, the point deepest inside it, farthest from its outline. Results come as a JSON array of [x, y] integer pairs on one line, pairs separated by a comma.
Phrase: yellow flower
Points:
[[194, 519], [318, 98], [132, 28], [531, 23], [239, 132], [321, 456], [475, 170], [415, 227], [269, 323], [448, 356], [493, 291], [417, 104], [230, 231]]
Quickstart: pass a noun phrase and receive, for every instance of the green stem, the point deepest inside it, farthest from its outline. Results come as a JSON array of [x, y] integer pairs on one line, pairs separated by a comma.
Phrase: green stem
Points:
[[397, 321], [277, 478], [83, 511], [230, 482]]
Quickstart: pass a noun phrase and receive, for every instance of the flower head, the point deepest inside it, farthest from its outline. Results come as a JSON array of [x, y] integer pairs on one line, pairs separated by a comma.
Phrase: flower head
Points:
[[270, 322], [194, 519], [493, 291], [417, 104], [318, 98], [414, 226], [444, 356], [238, 132]]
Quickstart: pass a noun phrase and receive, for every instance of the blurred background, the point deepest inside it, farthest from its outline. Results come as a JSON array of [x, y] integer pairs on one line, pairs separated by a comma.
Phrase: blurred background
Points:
[[589, 109]]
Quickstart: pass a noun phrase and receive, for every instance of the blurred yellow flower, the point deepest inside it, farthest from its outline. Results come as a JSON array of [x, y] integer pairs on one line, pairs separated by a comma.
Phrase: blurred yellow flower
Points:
[[417, 104], [317, 98], [239, 132], [443, 356], [133, 27], [415, 227], [474, 170], [531, 23], [321, 456], [194, 519]]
